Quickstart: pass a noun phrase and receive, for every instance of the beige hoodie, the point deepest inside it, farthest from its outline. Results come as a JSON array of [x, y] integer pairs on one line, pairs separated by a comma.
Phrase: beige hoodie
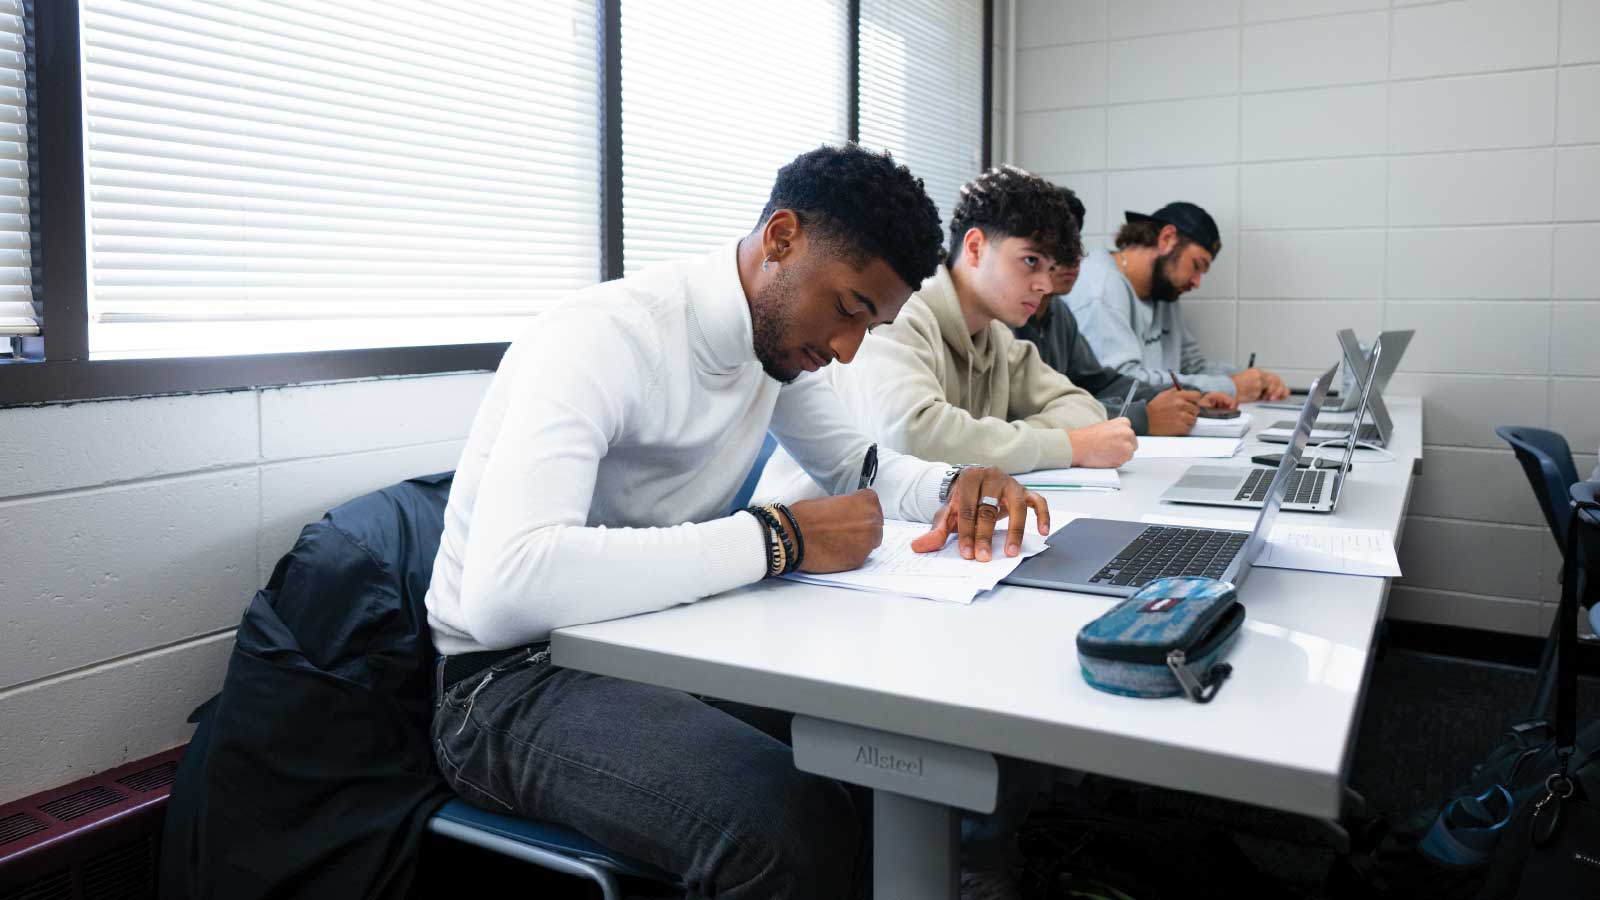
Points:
[[934, 391], [924, 386]]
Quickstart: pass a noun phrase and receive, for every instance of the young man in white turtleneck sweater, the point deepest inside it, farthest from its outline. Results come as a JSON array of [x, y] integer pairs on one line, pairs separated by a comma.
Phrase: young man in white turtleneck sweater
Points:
[[596, 483]]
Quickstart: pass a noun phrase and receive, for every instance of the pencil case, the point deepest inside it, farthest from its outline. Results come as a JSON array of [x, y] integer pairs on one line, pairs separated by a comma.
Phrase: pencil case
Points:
[[1169, 638]]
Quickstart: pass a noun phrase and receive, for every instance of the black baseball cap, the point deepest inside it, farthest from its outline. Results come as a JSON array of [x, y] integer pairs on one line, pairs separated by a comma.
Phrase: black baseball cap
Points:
[[1195, 223]]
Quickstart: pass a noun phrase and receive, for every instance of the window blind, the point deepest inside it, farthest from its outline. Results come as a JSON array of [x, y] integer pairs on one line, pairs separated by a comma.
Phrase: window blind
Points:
[[922, 89], [17, 313], [716, 97], [328, 174]]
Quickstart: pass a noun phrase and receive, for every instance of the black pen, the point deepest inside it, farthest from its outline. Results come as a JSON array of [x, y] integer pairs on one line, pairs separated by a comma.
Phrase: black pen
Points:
[[1252, 363], [869, 468]]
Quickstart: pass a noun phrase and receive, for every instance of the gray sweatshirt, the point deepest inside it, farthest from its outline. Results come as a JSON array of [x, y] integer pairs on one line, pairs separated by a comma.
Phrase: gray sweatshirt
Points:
[[1139, 338]]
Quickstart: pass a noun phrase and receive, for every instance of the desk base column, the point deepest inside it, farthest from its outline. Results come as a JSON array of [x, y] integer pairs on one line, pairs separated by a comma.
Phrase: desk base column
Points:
[[916, 849]]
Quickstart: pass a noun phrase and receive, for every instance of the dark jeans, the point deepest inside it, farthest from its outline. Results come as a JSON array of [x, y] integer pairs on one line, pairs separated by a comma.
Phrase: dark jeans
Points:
[[706, 790]]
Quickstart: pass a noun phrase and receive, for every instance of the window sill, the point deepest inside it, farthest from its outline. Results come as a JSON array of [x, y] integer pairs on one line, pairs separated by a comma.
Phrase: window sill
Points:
[[25, 383]]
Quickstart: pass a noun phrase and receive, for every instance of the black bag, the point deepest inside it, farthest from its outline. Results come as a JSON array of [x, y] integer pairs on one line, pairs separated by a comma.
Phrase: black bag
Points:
[[1528, 824]]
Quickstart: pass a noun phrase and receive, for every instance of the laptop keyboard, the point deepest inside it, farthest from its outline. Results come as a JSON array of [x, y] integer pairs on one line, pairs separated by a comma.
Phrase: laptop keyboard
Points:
[[1305, 485], [1162, 551]]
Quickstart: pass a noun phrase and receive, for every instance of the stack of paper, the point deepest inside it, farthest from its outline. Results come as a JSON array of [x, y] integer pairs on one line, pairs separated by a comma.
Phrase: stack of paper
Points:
[[1187, 447], [1073, 479], [1235, 427], [894, 568]]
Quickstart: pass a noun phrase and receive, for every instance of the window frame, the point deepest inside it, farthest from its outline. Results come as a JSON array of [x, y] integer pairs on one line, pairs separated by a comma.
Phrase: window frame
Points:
[[60, 259]]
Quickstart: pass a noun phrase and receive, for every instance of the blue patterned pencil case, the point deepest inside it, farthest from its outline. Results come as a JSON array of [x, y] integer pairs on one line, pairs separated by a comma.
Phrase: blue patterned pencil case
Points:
[[1167, 639]]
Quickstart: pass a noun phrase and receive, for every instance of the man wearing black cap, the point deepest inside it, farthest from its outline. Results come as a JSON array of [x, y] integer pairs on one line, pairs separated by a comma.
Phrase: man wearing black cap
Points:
[[1126, 303]]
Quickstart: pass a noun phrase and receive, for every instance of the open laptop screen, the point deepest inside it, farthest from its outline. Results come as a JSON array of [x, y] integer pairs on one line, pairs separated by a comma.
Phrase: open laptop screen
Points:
[[1361, 408], [1286, 466]]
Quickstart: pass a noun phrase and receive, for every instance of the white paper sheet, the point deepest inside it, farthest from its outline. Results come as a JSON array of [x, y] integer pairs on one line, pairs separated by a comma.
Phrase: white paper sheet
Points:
[[1076, 477], [1344, 551], [1233, 428], [943, 575], [1187, 447], [1311, 548]]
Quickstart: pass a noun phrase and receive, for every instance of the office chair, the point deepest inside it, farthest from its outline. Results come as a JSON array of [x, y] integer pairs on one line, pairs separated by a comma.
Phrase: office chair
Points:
[[542, 844], [748, 489], [1547, 461]]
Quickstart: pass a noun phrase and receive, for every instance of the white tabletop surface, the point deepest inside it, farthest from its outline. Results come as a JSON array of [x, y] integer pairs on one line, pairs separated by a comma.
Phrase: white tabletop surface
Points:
[[1002, 674]]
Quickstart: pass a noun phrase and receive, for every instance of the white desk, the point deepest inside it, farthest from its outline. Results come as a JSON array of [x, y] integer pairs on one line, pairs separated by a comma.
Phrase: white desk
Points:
[[1001, 675]]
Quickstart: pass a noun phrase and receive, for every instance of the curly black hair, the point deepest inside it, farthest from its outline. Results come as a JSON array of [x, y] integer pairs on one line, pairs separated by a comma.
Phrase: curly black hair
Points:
[[1074, 204], [863, 205], [1010, 202]]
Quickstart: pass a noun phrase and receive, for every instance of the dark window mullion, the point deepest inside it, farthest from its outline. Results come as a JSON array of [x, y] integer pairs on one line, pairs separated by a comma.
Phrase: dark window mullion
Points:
[[988, 85], [852, 85], [610, 63], [60, 256]]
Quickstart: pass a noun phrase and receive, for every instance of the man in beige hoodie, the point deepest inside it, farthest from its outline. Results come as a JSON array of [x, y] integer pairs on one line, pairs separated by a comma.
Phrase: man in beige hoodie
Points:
[[948, 379]]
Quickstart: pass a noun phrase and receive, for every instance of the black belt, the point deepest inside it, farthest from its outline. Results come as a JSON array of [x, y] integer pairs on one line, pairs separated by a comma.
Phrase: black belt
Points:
[[460, 667]]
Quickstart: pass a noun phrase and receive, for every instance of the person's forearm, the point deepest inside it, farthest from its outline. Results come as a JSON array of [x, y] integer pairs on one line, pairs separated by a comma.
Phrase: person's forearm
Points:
[[518, 588]]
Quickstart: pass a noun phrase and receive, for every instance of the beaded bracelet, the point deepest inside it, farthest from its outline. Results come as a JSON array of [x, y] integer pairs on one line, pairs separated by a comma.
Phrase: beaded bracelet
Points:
[[771, 532], [799, 539], [791, 558]]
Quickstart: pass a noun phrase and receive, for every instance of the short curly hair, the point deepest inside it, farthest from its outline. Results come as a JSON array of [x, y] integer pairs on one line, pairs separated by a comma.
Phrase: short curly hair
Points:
[[1074, 204], [864, 206], [1010, 202]]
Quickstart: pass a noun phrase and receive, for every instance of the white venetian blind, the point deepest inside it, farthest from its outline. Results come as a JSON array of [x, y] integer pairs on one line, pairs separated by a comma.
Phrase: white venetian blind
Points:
[[17, 317], [716, 97], [922, 89], [327, 174]]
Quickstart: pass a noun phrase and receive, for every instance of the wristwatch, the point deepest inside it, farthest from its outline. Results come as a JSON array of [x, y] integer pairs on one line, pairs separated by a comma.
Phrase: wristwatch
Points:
[[950, 477]]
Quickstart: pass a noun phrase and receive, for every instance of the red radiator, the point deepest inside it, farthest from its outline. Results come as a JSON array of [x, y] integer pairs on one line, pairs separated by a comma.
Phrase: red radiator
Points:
[[94, 839]]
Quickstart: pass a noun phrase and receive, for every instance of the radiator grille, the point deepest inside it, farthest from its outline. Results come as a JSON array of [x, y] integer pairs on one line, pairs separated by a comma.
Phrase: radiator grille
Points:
[[82, 803], [50, 887], [126, 873], [151, 778], [18, 826]]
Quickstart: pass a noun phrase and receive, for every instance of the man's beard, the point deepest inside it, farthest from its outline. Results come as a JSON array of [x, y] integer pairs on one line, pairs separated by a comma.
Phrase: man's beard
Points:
[[1162, 290], [771, 319]]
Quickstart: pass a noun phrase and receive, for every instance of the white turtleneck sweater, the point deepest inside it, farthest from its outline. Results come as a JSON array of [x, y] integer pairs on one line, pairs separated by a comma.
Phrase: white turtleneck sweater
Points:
[[596, 480]]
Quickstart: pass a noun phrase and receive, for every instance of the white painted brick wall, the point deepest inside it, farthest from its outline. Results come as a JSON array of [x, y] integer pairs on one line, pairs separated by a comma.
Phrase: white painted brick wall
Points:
[[138, 530], [1429, 165]]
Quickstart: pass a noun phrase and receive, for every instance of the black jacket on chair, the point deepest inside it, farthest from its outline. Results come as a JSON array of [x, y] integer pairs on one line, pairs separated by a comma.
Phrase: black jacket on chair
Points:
[[311, 774]]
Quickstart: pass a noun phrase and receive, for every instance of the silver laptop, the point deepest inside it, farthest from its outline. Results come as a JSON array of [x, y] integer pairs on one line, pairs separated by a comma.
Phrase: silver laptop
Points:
[[1108, 556], [1309, 490], [1395, 342], [1375, 432]]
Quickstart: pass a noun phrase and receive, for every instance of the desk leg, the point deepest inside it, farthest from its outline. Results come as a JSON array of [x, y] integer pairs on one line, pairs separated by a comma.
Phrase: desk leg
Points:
[[918, 790], [915, 849]]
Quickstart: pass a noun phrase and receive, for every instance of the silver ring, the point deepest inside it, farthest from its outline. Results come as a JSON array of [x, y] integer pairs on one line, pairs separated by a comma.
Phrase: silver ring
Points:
[[989, 501]]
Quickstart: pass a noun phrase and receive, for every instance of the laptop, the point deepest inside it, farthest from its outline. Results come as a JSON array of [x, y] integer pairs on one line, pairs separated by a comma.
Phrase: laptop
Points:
[[1309, 490], [1323, 431], [1395, 341], [1116, 558]]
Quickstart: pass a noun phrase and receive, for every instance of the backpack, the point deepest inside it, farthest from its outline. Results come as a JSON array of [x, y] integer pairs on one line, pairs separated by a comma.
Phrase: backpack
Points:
[[1527, 825]]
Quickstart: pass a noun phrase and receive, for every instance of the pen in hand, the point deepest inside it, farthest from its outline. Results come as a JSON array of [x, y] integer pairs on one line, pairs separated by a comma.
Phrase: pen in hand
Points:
[[1175, 385], [869, 468], [1128, 400]]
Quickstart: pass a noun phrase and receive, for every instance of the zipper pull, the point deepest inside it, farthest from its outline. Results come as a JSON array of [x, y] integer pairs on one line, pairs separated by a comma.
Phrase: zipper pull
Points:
[[1193, 688], [1547, 815], [473, 698]]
